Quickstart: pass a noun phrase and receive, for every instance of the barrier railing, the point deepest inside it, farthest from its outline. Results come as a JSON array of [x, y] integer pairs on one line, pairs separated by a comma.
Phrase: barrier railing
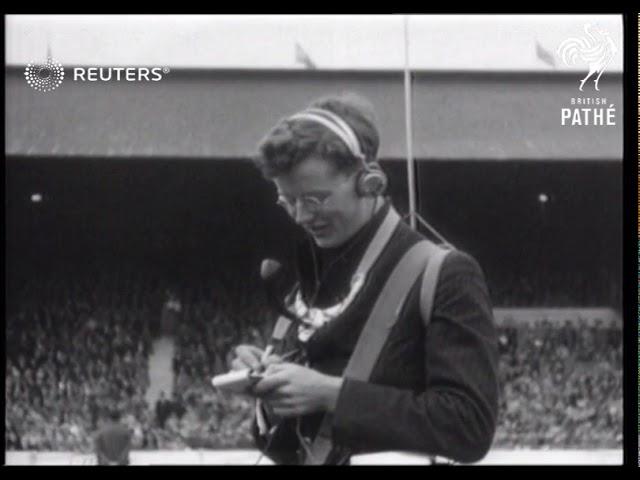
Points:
[[250, 457]]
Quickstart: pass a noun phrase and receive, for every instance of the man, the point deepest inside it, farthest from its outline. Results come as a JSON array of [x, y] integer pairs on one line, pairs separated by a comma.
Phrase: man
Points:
[[163, 407], [170, 316], [434, 387], [113, 441]]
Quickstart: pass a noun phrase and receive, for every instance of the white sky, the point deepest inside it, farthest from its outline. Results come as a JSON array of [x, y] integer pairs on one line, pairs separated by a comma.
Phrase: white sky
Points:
[[488, 42]]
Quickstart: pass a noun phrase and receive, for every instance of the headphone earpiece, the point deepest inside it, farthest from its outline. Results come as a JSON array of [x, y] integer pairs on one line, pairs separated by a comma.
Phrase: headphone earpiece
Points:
[[371, 181]]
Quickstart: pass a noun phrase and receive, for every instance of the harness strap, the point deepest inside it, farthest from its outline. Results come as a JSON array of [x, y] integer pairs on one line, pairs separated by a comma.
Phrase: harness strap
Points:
[[383, 317]]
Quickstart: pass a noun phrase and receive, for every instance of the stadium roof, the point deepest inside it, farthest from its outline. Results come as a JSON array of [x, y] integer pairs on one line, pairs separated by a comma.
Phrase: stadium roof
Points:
[[224, 113], [331, 42]]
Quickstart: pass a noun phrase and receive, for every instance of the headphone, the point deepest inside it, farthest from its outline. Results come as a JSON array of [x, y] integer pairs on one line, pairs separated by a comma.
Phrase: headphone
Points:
[[371, 180]]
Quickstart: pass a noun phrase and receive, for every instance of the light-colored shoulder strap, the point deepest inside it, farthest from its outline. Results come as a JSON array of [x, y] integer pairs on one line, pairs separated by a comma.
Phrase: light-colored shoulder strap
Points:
[[385, 313], [436, 257]]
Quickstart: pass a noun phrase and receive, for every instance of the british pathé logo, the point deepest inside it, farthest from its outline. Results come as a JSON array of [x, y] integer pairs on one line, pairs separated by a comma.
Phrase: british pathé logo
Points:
[[44, 77], [595, 50], [589, 111]]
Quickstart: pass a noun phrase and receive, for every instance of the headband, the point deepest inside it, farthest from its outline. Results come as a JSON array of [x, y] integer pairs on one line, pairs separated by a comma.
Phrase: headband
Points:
[[334, 123]]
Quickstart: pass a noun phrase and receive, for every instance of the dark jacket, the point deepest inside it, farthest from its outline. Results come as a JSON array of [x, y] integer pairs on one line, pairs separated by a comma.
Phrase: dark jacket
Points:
[[433, 390]]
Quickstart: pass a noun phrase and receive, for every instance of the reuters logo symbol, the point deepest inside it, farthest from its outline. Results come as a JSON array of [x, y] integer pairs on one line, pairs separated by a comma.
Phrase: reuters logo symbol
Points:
[[44, 77]]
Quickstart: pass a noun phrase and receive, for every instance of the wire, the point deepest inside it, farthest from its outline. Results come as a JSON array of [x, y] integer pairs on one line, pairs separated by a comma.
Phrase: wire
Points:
[[320, 279], [424, 223], [409, 124], [271, 435], [272, 430], [301, 439], [303, 442]]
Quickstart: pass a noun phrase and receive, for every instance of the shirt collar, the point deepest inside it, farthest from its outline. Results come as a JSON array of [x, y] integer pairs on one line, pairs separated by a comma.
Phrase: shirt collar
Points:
[[362, 237]]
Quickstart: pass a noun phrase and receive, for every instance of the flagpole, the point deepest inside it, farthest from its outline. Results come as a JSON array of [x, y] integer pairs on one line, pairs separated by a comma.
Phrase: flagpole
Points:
[[409, 127]]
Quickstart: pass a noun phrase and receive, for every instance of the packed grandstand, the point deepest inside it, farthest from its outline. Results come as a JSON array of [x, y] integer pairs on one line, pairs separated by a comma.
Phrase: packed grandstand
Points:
[[78, 346]]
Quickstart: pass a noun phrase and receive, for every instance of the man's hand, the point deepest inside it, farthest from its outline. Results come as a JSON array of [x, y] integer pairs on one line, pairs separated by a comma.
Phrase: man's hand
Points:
[[250, 357], [292, 390]]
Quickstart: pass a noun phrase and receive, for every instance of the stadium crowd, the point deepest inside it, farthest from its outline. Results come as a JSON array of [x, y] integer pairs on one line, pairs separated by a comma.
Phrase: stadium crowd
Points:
[[217, 316], [78, 347], [562, 387]]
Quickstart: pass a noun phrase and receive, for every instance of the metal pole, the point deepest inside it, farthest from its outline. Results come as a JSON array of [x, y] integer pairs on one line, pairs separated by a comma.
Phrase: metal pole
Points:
[[409, 127]]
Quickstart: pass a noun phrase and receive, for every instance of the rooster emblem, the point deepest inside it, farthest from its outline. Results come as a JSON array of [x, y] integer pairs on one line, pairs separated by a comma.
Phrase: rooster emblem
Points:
[[596, 50]]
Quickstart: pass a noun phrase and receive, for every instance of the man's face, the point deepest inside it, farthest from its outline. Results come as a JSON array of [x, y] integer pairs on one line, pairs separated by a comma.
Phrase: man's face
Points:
[[341, 212]]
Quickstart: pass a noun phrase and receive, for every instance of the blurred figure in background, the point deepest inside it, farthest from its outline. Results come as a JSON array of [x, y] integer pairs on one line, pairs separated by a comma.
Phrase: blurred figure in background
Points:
[[113, 441], [162, 410], [170, 314]]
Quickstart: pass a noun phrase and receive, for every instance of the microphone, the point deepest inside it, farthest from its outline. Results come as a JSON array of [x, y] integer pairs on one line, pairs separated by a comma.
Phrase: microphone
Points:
[[269, 270]]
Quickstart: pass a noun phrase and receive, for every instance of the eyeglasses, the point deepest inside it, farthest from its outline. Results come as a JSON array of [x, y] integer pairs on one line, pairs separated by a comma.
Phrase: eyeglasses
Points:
[[311, 203]]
